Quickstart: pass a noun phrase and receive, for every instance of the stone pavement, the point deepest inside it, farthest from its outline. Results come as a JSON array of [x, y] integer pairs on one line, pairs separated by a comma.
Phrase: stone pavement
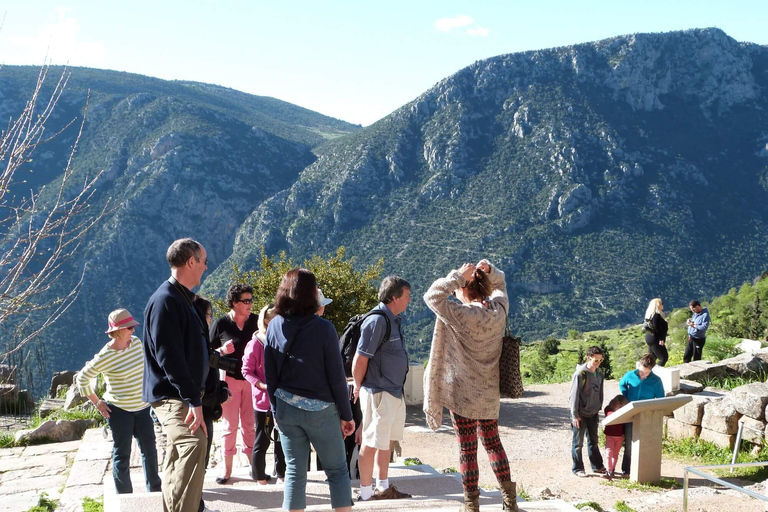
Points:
[[70, 471], [26, 472]]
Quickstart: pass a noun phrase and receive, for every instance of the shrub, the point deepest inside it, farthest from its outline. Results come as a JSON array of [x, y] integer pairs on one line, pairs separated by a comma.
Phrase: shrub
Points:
[[44, 504], [353, 292], [551, 346]]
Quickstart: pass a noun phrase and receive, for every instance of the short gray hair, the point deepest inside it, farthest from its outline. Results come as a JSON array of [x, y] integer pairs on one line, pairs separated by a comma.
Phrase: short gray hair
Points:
[[391, 288], [181, 250]]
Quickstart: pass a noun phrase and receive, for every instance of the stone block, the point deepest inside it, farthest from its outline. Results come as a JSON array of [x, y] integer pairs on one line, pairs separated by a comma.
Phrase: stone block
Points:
[[750, 346], [670, 379], [56, 431], [751, 399], [26, 401], [702, 370], [746, 364], [690, 387], [59, 378], [74, 398], [692, 412], [56, 460], [46, 449], [753, 430], [40, 483], [50, 405], [87, 472], [414, 385], [718, 438], [720, 416], [679, 430], [9, 396]]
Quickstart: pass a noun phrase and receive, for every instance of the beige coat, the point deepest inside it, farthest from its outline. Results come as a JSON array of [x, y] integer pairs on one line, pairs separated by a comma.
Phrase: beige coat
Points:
[[463, 370]]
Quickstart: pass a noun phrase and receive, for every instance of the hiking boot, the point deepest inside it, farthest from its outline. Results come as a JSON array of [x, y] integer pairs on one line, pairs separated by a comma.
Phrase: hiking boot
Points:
[[471, 501], [390, 494], [509, 494]]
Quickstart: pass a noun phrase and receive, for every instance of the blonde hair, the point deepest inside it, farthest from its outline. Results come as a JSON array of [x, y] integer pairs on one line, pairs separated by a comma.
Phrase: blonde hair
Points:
[[655, 306], [266, 314]]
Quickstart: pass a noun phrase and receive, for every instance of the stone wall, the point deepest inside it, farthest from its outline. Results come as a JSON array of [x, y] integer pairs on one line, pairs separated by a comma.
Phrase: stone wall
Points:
[[715, 414]]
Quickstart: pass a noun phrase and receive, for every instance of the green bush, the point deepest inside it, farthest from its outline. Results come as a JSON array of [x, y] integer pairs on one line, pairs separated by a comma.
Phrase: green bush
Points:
[[44, 504], [93, 505], [550, 346], [353, 292]]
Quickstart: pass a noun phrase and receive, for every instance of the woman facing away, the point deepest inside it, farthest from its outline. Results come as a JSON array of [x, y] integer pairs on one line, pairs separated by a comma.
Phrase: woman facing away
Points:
[[463, 370], [253, 371], [121, 362], [230, 335], [308, 390], [656, 337]]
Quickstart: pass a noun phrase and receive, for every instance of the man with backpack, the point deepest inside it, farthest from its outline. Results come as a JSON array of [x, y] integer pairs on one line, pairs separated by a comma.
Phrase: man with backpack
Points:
[[586, 400], [379, 369]]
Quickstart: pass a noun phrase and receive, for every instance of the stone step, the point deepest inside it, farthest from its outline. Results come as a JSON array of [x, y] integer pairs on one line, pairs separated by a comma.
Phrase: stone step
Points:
[[431, 491]]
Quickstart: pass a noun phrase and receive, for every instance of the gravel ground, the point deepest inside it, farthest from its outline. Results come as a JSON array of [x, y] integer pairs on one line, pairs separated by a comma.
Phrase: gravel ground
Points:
[[536, 435]]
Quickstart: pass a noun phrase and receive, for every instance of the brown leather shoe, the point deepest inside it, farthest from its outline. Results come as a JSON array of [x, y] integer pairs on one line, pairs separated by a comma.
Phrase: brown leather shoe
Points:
[[390, 494]]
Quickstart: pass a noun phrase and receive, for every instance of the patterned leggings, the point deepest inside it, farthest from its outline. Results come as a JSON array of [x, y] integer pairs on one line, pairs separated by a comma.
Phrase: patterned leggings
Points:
[[467, 431]]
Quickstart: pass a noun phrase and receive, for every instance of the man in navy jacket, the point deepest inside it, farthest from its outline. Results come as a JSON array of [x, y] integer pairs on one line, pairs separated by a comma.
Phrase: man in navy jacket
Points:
[[175, 367]]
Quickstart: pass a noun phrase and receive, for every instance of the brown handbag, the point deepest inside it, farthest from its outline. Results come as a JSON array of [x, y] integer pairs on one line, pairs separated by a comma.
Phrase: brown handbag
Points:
[[510, 379]]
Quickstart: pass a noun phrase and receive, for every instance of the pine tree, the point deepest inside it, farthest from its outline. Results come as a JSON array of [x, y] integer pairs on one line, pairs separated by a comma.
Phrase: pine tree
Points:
[[606, 366]]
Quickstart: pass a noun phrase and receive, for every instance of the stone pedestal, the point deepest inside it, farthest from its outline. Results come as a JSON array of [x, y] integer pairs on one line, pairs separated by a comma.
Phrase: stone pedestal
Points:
[[647, 418], [413, 389], [670, 378]]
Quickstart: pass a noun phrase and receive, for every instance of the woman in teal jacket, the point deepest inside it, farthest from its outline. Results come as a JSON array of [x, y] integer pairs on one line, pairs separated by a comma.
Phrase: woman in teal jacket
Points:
[[640, 384]]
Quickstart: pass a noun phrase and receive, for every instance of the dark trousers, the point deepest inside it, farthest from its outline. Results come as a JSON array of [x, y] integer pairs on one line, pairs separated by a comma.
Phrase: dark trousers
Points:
[[126, 425], [693, 349], [626, 462], [588, 425], [653, 346], [260, 446]]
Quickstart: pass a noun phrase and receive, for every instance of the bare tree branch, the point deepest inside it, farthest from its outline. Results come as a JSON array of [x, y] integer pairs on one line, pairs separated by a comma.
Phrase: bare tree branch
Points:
[[39, 231]]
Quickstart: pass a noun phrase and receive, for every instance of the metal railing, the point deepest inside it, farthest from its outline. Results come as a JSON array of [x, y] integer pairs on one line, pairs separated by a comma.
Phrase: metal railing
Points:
[[696, 471]]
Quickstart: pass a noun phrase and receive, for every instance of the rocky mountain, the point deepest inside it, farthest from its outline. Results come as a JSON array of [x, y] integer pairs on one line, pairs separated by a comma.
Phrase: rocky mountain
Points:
[[597, 176], [179, 159]]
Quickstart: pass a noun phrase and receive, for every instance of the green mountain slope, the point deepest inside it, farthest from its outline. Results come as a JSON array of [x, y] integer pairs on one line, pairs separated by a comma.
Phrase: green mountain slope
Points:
[[597, 175], [179, 159]]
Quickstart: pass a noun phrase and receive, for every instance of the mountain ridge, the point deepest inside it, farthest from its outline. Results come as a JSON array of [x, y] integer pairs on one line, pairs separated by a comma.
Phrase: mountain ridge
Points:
[[568, 163]]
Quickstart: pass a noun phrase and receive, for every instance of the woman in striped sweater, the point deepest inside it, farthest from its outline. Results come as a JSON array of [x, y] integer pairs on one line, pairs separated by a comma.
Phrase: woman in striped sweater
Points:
[[121, 362]]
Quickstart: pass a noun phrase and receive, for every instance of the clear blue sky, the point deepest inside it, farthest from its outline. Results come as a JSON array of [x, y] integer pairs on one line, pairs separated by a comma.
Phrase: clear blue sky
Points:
[[356, 61]]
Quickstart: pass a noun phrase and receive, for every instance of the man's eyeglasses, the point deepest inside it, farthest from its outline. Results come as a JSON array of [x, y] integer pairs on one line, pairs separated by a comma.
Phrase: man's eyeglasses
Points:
[[245, 301]]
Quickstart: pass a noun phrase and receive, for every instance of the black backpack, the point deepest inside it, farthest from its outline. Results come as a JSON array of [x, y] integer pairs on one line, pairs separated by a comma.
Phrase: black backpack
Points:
[[350, 337]]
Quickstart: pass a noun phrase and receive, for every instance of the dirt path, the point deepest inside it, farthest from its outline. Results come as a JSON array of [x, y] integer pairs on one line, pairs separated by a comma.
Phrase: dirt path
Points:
[[536, 435]]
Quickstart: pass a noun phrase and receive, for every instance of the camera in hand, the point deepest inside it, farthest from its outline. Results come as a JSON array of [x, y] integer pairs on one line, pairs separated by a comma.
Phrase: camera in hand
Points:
[[231, 365]]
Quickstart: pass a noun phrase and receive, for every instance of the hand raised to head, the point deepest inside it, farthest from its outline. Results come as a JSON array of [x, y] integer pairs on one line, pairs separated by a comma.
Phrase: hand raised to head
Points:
[[484, 265], [467, 270]]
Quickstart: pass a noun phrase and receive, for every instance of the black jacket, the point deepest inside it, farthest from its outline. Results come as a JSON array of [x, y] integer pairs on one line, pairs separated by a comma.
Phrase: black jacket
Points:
[[660, 328], [175, 346]]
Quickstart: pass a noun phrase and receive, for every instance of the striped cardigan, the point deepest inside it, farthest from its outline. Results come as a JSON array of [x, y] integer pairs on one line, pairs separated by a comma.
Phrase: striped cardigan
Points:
[[123, 372]]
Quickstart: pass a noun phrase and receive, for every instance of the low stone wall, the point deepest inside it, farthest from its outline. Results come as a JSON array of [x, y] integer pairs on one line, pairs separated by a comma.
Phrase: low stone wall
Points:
[[714, 414]]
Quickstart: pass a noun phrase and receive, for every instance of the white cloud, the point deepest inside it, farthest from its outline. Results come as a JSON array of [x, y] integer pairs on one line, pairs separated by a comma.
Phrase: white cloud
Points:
[[448, 24], [465, 23], [478, 31], [59, 40]]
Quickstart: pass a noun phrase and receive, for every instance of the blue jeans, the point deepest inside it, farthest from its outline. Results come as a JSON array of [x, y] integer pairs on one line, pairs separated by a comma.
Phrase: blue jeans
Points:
[[588, 424], [299, 428], [126, 425]]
